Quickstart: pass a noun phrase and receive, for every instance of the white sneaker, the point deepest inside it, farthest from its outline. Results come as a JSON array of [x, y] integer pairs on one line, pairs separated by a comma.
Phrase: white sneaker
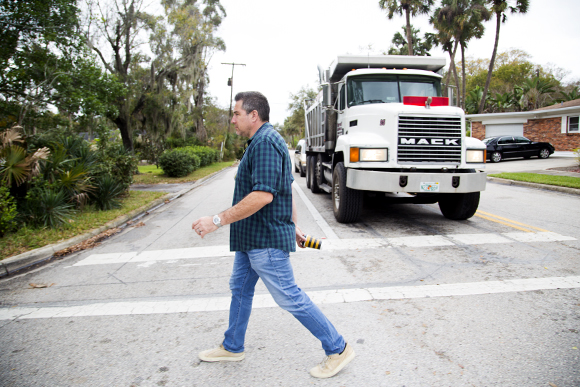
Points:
[[220, 354], [331, 365]]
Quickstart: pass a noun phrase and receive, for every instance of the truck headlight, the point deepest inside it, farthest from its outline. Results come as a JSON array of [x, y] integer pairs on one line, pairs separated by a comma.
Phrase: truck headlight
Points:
[[475, 156], [373, 155]]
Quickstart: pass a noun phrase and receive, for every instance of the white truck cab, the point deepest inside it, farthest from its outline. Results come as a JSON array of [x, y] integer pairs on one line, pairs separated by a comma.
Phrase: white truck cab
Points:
[[381, 125]]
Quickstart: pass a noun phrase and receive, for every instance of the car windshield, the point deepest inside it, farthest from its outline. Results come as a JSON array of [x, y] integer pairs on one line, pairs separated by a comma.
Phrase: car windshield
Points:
[[488, 140], [367, 89]]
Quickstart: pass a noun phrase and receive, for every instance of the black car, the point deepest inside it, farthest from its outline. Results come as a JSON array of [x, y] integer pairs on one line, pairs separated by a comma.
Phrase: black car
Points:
[[506, 147]]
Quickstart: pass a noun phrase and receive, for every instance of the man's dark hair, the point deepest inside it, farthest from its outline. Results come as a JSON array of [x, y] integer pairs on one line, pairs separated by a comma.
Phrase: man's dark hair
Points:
[[254, 100]]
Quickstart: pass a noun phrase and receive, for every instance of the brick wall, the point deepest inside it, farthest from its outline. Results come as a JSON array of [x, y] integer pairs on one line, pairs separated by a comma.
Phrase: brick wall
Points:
[[477, 130], [544, 129], [550, 130]]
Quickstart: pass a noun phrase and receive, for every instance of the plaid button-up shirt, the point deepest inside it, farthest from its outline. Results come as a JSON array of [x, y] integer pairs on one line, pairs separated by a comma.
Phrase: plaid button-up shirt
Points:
[[265, 166]]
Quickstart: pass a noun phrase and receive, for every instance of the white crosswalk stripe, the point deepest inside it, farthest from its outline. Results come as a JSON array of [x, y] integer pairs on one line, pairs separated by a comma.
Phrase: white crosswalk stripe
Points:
[[338, 296], [329, 245]]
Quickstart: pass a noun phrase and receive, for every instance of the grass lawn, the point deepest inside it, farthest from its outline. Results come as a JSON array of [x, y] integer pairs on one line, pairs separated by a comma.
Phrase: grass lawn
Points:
[[150, 174], [562, 181], [26, 239]]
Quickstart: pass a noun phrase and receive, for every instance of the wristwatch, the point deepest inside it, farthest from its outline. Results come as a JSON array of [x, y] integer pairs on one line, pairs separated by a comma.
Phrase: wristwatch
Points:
[[217, 221]]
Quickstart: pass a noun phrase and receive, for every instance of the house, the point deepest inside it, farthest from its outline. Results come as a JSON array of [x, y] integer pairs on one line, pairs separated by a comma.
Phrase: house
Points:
[[556, 124]]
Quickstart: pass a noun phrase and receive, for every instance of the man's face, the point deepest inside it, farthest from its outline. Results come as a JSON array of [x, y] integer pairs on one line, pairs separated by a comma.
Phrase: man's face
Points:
[[241, 120]]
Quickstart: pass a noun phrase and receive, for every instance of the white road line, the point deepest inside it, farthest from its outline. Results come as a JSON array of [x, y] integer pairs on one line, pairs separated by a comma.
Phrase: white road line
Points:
[[336, 296], [329, 245], [326, 229]]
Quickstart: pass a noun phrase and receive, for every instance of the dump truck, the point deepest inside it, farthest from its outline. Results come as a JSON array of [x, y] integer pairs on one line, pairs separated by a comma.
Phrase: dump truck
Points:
[[380, 130]]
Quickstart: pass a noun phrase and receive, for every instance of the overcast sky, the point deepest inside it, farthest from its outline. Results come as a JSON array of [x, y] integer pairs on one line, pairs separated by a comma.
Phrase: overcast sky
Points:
[[281, 43]]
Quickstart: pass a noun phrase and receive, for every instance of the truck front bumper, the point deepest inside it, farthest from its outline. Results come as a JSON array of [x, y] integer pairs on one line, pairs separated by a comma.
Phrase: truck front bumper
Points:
[[418, 182]]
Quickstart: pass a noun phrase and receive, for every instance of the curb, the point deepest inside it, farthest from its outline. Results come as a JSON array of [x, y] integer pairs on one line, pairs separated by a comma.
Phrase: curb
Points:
[[30, 258], [568, 190]]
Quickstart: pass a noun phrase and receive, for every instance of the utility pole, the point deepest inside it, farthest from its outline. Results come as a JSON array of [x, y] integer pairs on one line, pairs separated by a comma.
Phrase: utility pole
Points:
[[231, 84]]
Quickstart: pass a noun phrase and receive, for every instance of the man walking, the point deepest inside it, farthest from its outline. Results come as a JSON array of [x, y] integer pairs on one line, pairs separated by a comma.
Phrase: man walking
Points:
[[262, 233]]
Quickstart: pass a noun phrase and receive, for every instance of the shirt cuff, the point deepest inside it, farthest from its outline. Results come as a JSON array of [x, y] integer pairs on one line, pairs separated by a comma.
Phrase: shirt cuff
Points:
[[265, 188]]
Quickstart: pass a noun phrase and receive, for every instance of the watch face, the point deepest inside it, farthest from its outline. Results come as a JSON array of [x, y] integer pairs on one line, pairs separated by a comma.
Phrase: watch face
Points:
[[217, 220]]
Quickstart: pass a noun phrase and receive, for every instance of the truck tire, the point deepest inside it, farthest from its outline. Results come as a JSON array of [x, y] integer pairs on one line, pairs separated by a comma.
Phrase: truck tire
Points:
[[314, 187], [459, 206], [307, 172], [346, 202], [319, 171]]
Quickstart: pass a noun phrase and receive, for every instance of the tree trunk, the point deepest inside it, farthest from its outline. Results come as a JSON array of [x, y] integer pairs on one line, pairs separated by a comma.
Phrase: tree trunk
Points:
[[451, 67], [123, 123], [491, 63], [200, 127], [463, 75], [409, 33]]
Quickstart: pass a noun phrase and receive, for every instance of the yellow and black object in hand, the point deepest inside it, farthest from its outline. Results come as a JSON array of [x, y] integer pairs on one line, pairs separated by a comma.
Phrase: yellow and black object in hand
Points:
[[312, 242]]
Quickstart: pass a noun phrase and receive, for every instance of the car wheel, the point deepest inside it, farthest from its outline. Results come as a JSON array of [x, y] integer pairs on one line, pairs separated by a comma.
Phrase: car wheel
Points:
[[495, 157], [296, 166], [544, 153], [302, 171]]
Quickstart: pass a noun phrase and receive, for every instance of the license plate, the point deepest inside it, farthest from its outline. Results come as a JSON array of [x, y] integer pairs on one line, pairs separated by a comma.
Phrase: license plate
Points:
[[429, 187]]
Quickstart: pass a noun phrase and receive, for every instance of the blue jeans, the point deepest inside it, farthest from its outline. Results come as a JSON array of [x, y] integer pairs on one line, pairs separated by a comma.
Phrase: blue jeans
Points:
[[274, 268]]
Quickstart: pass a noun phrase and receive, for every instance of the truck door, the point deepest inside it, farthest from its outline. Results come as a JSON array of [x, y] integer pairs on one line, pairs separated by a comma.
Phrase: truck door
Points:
[[342, 125]]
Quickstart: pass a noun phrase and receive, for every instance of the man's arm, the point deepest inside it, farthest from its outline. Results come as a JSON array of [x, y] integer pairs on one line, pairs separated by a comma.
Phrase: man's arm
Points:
[[246, 207]]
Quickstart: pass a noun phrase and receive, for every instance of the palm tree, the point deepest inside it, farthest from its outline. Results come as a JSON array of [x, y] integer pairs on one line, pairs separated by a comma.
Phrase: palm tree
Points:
[[17, 164], [461, 20], [499, 8], [408, 7], [572, 95]]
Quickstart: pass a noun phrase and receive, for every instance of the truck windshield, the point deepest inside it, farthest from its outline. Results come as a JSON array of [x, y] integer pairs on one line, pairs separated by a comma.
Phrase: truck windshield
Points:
[[368, 89]]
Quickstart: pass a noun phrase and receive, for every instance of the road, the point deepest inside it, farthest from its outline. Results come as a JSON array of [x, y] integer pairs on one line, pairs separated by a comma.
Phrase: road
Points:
[[424, 301]]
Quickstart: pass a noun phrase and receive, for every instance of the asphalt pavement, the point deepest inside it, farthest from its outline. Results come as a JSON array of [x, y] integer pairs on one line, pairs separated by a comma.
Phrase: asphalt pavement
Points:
[[424, 301]]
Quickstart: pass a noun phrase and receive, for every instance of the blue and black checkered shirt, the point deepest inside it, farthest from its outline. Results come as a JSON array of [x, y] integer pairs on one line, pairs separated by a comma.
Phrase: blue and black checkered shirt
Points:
[[265, 166]]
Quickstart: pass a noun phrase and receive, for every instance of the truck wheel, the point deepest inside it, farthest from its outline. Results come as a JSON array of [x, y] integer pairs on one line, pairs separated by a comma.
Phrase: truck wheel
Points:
[[346, 202], [319, 171], [459, 206], [307, 171], [314, 187]]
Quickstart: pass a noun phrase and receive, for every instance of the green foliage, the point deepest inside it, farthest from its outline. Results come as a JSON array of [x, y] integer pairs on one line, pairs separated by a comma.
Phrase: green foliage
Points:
[[206, 154], [106, 194], [294, 125], [408, 8], [17, 163], [47, 207], [7, 211], [421, 46], [178, 162]]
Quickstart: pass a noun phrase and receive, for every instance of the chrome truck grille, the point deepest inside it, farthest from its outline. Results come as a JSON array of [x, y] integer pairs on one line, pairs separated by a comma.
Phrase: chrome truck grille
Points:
[[429, 139]]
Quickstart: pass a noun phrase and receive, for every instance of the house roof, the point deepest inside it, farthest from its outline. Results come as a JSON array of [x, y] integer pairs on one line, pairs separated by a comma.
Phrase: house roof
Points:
[[559, 109], [574, 102]]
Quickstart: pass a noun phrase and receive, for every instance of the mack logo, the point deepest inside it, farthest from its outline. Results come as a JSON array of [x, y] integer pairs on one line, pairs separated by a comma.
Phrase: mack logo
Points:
[[430, 141]]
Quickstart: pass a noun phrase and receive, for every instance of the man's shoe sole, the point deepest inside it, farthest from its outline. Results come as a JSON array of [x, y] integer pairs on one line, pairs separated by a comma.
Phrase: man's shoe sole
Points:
[[223, 358]]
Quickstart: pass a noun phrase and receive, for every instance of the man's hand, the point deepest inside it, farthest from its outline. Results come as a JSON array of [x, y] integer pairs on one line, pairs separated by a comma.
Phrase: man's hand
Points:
[[204, 226], [300, 239]]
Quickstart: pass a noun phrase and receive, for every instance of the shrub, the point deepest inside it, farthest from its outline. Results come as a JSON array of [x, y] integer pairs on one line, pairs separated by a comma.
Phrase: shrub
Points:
[[577, 155], [7, 211], [47, 207], [178, 162], [106, 193], [206, 154]]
